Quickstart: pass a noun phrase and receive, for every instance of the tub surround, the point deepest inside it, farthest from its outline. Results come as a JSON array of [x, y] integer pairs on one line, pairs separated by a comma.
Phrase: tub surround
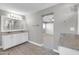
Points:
[[68, 44], [70, 41]]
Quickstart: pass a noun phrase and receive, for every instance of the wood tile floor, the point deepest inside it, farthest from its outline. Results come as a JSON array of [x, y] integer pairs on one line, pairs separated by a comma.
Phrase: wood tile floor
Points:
[[27, 49]]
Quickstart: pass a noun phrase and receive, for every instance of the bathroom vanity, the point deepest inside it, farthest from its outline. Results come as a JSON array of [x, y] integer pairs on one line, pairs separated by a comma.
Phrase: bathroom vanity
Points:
[[12, 31], [13, 38]]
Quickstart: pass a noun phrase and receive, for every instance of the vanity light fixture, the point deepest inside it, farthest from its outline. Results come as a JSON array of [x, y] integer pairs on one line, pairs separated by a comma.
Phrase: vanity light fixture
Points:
[[14, 16]]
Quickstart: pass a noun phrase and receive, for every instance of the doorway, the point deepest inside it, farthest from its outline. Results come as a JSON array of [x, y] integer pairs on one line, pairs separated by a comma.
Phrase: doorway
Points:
[[48, 30]]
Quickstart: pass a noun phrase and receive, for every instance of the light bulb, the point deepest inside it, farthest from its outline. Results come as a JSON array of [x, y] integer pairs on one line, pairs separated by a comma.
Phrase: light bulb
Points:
[[72, 28]]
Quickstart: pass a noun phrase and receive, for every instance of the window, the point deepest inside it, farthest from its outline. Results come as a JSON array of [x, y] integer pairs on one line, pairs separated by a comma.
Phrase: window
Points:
[[44, 25], [48, 24]]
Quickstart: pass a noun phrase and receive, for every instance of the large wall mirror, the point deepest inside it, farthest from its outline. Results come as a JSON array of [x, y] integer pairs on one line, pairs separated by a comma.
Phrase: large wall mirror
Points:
[[12, 23]]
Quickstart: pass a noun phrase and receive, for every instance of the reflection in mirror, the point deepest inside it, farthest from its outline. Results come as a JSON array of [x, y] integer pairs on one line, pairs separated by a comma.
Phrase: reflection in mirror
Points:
[[9, 24]]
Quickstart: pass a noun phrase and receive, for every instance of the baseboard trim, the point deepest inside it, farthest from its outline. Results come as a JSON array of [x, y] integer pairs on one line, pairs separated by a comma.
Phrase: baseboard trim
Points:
[[36, 43], [55, 50]]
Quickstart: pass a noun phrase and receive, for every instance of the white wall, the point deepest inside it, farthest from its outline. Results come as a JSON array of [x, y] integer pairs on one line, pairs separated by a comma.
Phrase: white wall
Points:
[[35, 28], [65, 18]]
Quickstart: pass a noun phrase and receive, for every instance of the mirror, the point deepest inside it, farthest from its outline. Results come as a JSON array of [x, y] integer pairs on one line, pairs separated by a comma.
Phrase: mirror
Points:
[[8, 24]]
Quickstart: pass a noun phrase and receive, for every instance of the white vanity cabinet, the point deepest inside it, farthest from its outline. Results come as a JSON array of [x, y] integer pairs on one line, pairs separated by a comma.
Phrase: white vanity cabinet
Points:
[[9, 41]]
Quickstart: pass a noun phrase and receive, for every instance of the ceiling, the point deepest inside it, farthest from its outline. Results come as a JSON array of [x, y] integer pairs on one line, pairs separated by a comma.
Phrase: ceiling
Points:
[[25, 8]]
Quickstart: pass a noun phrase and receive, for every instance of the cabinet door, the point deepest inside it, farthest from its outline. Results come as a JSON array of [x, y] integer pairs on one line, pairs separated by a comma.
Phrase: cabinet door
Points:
[[24, 37], [7, 42], [15, 39], [20, 38]]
